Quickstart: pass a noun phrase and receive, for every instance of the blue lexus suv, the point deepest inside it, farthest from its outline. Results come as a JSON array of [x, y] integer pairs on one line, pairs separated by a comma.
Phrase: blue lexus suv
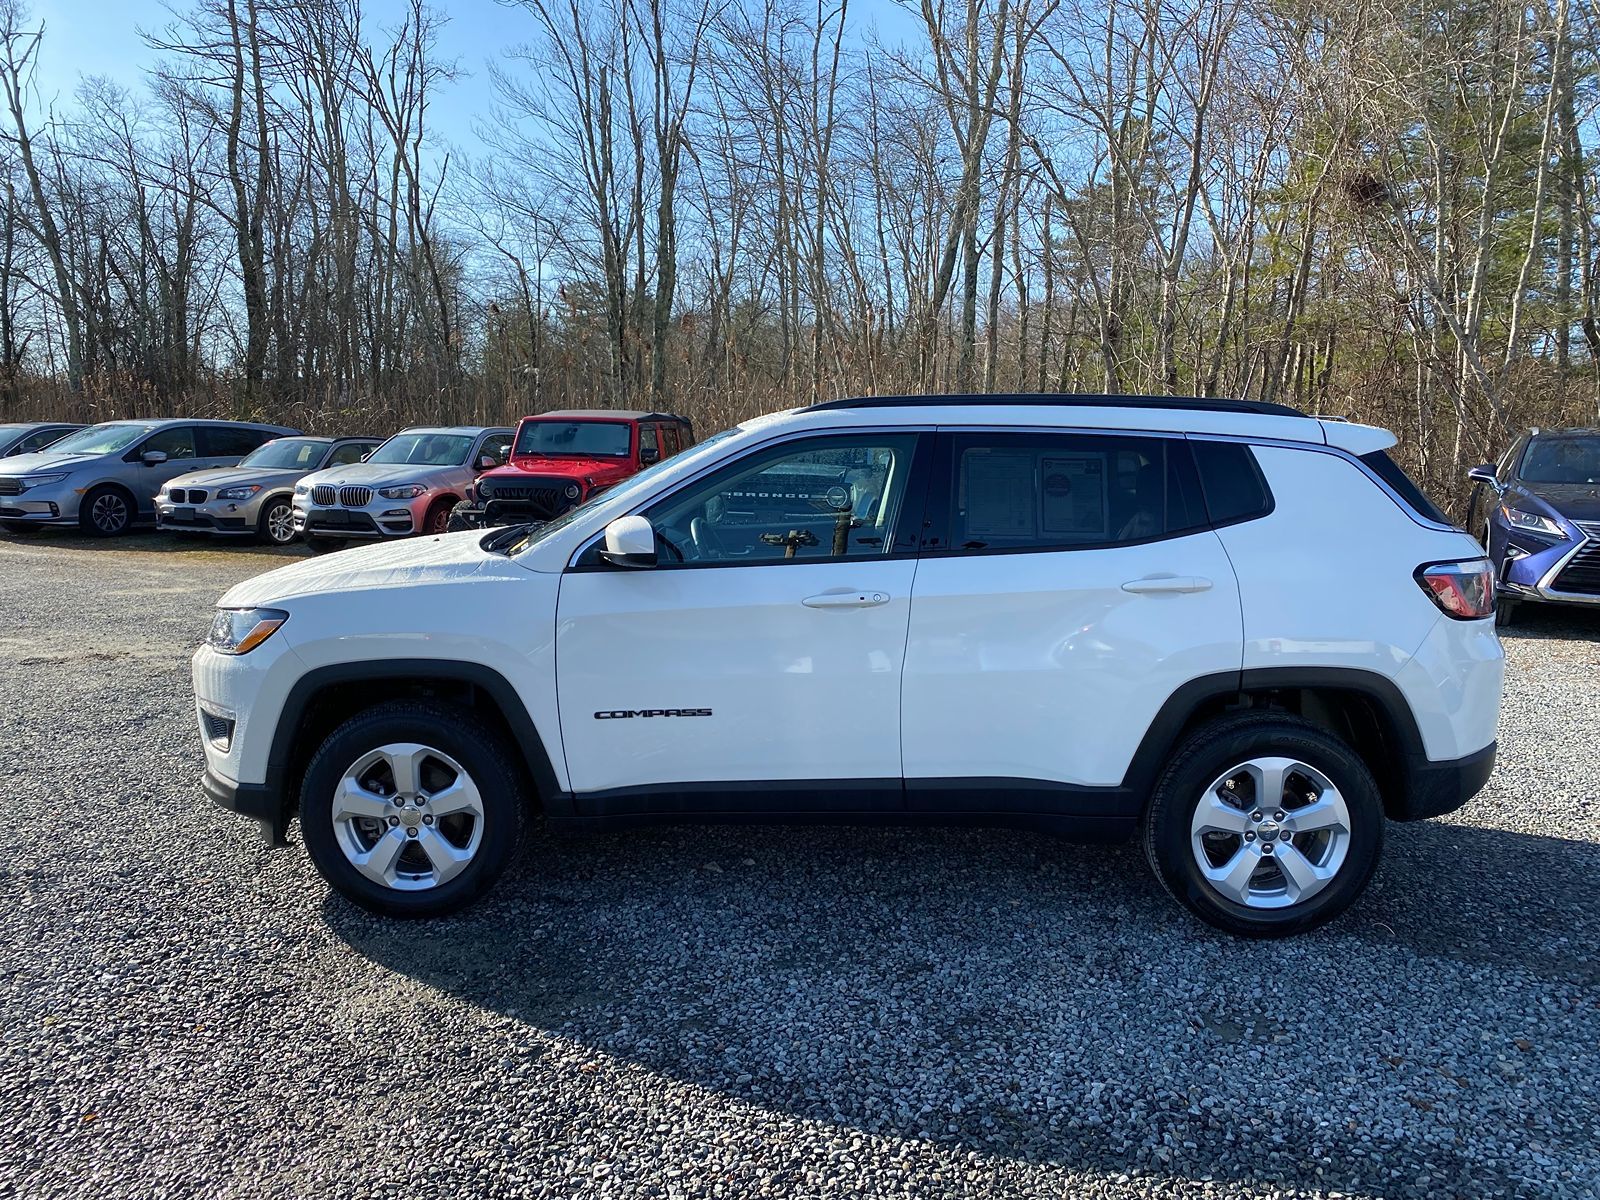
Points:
[[1542, 525]]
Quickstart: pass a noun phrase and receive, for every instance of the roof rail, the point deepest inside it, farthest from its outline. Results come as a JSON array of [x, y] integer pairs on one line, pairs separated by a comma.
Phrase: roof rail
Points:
[[1064, 400]]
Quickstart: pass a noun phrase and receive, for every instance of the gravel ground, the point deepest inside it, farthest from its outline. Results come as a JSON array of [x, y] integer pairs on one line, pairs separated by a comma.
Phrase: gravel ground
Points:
[[738, 1012]]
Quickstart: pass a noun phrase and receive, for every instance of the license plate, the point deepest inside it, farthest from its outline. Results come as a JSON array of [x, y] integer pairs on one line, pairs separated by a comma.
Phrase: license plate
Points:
[[336, 516], [183, 514]]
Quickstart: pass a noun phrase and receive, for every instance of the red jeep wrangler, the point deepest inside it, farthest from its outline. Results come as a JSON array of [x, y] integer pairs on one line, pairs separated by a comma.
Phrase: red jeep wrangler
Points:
[[560, 459]]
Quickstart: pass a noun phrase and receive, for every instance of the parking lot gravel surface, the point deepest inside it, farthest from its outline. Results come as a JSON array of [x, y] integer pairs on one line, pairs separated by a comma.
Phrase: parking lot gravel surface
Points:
[[740, 1012]]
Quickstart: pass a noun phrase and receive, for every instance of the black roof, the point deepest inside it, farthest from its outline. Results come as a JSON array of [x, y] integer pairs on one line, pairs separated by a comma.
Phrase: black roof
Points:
[[1065, 400], [618, 414], [1578, 431]]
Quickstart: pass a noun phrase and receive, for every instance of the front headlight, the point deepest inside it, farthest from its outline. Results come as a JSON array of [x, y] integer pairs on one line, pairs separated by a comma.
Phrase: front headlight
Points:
[[1534, 523], [573, 491], [239, 493], [409, 491], [33, 481], [241, 630], [302, 489]]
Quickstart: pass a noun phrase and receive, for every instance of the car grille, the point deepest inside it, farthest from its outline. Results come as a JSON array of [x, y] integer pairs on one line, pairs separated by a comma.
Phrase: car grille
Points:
[[190, 496], [10, 487], [546, 501], [355, 497], [1581, 575], [325, 494]]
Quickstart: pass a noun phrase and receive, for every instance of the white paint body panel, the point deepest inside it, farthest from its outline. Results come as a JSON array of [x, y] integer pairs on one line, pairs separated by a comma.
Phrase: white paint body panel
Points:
[[796, 692], [1327, 580], [1040, 666]]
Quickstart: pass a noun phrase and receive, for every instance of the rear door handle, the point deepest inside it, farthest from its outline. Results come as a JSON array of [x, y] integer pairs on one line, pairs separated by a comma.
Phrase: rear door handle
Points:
[[1168, 583], [846, 600]]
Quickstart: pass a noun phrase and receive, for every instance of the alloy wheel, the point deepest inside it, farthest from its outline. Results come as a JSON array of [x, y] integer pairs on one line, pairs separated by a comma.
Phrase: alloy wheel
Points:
[[408, 816], [109, 512], [1270, 833], [280, 524]]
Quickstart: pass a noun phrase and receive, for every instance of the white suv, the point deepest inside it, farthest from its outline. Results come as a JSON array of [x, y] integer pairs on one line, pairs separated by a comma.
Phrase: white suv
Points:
[[1239, 631]]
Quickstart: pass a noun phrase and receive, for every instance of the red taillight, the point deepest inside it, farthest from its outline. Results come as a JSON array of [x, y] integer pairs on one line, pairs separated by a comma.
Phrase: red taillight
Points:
[[1463, 590]]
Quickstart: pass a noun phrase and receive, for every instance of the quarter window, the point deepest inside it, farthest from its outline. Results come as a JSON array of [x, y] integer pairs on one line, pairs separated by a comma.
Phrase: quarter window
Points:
[[1027, 491], [1233, 485], [821, 498]]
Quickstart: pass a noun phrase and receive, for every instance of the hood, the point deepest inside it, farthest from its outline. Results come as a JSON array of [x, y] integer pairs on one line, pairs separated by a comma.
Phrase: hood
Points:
[[43, 460], [414, 562], [564, 467], [377, 474], [221, 477], [1574, 501]]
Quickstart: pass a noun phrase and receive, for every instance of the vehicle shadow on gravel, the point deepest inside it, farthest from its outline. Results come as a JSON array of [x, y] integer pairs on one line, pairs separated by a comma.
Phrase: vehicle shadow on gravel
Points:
[[1021, 997]]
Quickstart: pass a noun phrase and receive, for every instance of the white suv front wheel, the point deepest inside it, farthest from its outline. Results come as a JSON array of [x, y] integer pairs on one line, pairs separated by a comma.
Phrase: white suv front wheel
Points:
[[412, 809], [1265, 825]]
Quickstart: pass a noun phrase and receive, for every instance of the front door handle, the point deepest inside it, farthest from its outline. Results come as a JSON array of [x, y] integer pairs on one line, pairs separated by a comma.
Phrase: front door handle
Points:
[[1168, 584], [846, 600]]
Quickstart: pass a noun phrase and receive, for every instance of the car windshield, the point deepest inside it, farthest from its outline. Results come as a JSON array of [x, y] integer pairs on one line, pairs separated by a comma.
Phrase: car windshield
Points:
[[425, 449], [100, 439], [588, 439], [1560, 460], [287, 454], [625, 491]]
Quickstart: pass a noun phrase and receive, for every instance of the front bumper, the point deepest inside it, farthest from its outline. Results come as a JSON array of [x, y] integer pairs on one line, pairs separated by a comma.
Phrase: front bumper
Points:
[[374, 521], [1436, 788], [258, 800], [1532, 569], [54, 504], [213, 516]]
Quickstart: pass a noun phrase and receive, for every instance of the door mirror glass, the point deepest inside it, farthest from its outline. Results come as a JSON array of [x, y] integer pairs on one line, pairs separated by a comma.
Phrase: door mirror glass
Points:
[[630, 542], [649, 455], [153, 458], [487, 461], [1484, 473]]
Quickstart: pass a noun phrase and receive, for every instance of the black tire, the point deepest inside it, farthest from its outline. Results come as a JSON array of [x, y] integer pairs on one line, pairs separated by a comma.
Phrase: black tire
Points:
[[1505, 611], [277, 513], [438, 518], [458, 734], [1218, 747], [106, 511], [462, 518], [323, 545]]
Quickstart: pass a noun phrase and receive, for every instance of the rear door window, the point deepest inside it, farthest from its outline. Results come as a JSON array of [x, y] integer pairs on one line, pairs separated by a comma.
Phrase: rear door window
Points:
[[230, 441], [1011, 492]]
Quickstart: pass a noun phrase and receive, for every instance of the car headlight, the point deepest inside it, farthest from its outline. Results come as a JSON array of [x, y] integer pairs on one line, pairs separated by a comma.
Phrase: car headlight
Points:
[[485, 489], [1534, 523], [573, 491], [239, 493], [33, 481], [241, 630], [302, 489], [409, 491]]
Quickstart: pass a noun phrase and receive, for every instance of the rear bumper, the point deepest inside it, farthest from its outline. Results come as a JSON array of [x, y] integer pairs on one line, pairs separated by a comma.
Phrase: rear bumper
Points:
[[259, 800], [1436, 788]]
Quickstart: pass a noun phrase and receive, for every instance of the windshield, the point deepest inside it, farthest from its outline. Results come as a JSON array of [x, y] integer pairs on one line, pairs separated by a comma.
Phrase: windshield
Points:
[[588, 439], [624, 491], [425, 449], [100, 439], [1554, 460], [287, 453]]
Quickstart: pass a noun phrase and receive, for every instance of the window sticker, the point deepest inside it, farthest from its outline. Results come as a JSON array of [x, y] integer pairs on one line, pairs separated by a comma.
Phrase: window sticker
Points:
[[1072, 495], [999, 492]]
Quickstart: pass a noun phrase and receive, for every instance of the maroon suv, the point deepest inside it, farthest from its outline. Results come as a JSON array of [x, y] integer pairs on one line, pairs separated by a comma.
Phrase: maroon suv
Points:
[[560, 459]]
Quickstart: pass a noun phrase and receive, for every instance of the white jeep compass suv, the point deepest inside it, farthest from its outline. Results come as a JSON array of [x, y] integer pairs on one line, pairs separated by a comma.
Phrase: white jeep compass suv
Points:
[[1238, 631]]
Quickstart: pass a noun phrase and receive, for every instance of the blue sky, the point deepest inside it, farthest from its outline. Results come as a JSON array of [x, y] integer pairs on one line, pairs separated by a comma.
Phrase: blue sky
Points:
[[100, 37]]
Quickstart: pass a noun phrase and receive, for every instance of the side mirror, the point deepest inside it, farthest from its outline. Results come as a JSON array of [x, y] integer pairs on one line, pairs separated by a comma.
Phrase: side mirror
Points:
[[1485, 474], [153, 458], [648, 456], [487, 462], [630, 542]]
